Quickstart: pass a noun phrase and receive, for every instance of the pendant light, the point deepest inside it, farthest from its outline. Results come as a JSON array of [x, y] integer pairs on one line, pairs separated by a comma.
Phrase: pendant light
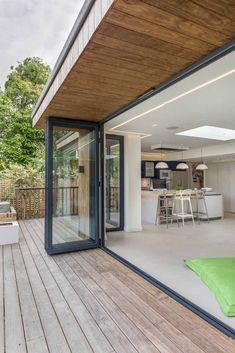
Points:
[[201, 166], [182, 165], [161, 164]]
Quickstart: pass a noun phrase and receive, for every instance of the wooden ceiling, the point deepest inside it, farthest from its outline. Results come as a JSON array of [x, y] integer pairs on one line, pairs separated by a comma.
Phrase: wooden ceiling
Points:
[[139, 44]]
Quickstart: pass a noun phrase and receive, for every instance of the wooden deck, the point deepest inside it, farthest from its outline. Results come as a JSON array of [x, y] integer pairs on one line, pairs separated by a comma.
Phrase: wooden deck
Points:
[[88, 302]]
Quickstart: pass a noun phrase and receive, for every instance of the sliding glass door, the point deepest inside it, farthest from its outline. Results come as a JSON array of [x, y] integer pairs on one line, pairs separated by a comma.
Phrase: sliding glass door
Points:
[[114, 169], [72, 185]]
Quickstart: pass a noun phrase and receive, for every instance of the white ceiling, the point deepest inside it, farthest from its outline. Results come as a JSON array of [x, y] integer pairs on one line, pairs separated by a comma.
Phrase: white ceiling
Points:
[[213, 104]]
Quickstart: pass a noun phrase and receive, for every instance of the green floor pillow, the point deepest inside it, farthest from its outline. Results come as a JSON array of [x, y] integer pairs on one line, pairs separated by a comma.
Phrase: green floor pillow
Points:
[[219, 275]]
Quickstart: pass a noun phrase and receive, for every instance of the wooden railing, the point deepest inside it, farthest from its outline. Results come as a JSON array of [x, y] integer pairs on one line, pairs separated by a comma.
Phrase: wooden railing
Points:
[[30, 202], [65, 201]]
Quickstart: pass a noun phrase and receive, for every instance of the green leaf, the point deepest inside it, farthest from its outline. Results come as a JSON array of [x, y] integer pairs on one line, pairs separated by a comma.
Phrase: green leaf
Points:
[[19, 142]]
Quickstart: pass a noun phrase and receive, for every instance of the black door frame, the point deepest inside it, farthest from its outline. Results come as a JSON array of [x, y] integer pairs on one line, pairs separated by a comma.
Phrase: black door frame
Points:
[[217, 54], [71, 246], [121, 178]]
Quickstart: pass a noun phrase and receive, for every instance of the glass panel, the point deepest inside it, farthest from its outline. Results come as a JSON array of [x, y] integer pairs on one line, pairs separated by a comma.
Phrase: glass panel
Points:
[[149, 169], [113, 182], [74, 174]]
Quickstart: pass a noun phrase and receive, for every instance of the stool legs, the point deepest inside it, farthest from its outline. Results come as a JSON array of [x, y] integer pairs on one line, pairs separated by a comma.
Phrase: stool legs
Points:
[[182, 211], [184, 208], [175, 212], [191, 209], [164, 210], [157, 220]]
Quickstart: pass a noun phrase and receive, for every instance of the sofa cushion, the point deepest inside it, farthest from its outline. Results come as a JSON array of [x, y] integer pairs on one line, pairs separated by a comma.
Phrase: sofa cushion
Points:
[[219, 275], [5, 207]]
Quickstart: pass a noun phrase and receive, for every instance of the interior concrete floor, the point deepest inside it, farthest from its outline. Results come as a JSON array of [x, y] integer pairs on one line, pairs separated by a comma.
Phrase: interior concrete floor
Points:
[[160, 252]]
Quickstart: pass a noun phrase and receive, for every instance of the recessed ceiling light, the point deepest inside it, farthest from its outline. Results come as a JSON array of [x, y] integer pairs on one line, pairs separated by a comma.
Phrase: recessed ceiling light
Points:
[[172, 127], [210, 132], [141, 134], [154, 125]]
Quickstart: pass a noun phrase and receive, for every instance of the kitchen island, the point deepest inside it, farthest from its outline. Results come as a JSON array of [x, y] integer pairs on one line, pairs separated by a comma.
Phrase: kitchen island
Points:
[[149, 205]]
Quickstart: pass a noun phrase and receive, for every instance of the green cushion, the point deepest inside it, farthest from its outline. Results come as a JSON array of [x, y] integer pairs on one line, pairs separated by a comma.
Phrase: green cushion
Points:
[[219, 275]]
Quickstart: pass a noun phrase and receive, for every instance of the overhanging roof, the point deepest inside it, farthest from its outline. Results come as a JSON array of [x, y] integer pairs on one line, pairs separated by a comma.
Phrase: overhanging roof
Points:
[[119, 49]]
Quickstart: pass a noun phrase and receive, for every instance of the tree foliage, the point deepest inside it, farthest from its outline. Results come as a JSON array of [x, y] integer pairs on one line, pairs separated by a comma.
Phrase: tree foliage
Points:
[[24, 176], [19, 142]]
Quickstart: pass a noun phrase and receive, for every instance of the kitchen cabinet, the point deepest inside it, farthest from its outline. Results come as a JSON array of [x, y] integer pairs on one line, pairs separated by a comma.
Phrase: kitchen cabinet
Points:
[[148, 169]]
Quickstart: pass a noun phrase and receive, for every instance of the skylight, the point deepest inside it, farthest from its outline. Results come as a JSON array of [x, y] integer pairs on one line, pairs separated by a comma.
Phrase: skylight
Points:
[[210, 132]]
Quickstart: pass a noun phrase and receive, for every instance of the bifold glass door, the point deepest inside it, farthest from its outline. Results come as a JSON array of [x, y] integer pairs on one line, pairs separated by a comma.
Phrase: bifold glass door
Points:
[[114, 171], [72, 186]]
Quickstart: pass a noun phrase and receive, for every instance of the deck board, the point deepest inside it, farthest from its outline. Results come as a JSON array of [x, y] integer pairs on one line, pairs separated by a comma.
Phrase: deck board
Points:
[[86, 302], [34, 336], [14, 330], [1, 303]]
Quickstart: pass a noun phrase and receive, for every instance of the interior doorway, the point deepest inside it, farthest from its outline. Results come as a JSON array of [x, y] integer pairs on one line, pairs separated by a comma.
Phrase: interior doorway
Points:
[[114, 182]]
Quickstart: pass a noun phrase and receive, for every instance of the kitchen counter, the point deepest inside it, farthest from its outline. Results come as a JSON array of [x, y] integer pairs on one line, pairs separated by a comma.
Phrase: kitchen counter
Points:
[[149, 204]]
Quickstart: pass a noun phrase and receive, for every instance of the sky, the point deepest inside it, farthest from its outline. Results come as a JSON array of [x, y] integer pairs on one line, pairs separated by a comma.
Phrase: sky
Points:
[[34, 28]]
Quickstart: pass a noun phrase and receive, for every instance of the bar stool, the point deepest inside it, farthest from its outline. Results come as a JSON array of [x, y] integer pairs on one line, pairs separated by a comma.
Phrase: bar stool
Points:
[[181, 205], [164, 208], [199, 197]]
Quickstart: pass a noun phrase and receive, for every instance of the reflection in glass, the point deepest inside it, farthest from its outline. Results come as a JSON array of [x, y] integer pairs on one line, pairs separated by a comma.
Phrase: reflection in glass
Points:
[[113, 174], [73, 188]]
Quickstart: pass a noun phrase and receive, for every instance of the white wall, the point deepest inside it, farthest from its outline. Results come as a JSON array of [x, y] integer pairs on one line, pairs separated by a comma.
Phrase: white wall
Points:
[[132, 171], [221, 177]]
